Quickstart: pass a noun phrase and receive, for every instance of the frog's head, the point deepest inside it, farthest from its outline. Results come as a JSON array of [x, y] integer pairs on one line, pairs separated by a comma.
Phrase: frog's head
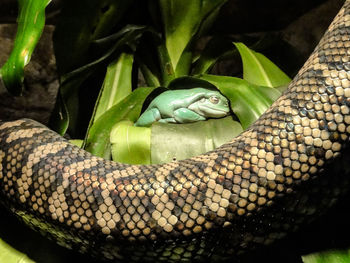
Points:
[[212, 104]]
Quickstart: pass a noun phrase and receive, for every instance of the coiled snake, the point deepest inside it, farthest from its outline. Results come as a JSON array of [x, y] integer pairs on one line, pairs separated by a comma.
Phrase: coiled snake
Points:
[[252, 190]]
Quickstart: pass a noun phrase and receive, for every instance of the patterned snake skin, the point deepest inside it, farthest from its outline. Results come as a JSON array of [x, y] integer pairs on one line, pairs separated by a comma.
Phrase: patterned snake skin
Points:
[[253, 190]]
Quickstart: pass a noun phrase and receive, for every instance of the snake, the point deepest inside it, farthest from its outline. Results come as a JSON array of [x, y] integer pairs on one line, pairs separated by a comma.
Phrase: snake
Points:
[[281, 173]]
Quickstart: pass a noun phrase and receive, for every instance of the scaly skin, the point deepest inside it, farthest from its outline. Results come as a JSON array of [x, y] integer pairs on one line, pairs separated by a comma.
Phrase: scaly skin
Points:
[[251, 191]]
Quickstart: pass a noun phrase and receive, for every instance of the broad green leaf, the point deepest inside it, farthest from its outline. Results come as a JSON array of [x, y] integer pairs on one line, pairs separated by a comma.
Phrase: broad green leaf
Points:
[[78, 143], [183, 67], [150, 77], [182, 20], [82, 22], [248, 101], [31, 21], [259, 70], [130, 144], [97, 140], [167, 69], [10, 255], [117, 84], [332, 256], [181, 141]]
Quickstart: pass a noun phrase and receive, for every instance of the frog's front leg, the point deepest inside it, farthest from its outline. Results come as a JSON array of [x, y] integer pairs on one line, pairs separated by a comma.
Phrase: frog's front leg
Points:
[[148, 117], [184, 115]]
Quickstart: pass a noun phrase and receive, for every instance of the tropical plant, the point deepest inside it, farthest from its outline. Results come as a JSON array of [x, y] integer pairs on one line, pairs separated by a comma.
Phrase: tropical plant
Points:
[[106, 56]]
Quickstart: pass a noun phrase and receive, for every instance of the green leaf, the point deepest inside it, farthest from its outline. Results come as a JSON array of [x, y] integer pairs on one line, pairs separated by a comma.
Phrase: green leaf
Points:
[[167, 69], [182, 20], [72, 81], [183, 67], [130, 144], [117, 84], [248, 101], [331, 256], [150, 77], [78, 143], [259, 70], [10, 255], [183, 141], [125, 37], [82, 22], [97, 140], [31, 22]]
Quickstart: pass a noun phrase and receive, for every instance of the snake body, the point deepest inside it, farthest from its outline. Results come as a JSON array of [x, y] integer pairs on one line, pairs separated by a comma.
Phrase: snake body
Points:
[[266, 182]]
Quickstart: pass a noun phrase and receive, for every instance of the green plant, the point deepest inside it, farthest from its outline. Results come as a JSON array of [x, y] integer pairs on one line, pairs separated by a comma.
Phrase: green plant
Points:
[[106, 55]]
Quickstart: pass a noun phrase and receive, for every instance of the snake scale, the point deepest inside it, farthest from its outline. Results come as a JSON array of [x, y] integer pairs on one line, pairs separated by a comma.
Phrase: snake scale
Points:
[[266, 182]]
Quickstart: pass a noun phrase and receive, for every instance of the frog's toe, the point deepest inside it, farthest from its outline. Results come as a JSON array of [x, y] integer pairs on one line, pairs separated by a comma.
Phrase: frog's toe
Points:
[[148, 117], [167, 120]]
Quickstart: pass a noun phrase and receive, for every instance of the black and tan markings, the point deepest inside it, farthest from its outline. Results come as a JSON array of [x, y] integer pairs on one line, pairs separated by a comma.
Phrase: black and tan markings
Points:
[[253, 190]]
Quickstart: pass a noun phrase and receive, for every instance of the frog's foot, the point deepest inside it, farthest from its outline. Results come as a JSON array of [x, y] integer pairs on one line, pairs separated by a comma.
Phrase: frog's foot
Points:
[[184, 115], [148, 117], [167, 120]]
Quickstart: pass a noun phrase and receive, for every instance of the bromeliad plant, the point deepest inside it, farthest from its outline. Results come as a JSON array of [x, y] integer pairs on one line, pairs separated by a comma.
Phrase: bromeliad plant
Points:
[[101, 52]]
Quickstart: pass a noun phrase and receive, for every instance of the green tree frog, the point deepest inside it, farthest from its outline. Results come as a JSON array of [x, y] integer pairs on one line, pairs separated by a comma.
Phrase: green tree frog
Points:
[[185, 106]]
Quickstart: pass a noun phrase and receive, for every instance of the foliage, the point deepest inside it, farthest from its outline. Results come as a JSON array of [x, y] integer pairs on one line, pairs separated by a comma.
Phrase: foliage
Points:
[[108, 53], [248, 101], [31, 21], [10, 255], [331, 256]]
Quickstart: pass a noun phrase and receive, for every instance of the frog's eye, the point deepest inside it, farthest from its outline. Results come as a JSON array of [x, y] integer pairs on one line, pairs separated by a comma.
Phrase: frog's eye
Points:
[[214, 99]]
